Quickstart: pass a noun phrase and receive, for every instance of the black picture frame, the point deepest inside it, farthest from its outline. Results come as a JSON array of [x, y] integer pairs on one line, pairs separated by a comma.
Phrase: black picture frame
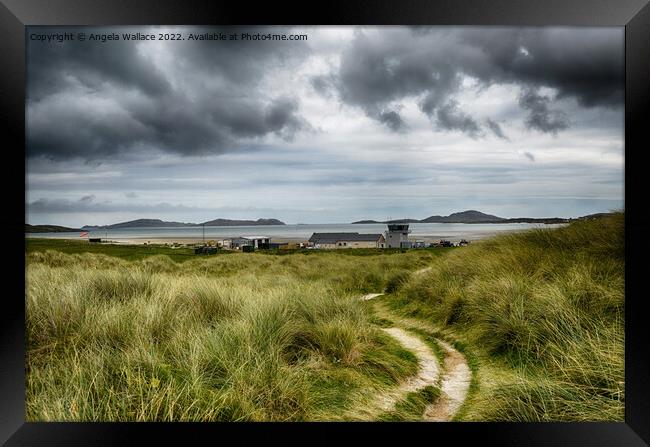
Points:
[[634, 15]]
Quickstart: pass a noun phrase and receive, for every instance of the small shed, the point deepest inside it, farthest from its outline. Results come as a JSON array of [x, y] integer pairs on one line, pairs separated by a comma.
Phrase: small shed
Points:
[[260, 242]]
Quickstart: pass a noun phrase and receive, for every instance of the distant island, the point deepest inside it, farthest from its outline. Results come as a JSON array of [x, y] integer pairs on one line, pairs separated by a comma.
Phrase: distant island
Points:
[[48, 229], [150, 223], [466, 217], [138, 223], [477, 217]]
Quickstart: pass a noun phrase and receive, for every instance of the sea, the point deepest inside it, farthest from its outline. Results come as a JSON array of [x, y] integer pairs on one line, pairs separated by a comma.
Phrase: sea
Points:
[[423, 231]]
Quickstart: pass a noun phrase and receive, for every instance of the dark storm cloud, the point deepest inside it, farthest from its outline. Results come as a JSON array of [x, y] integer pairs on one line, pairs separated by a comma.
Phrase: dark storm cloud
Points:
[[281, 117], [54, 66], [582, 63], [379, 68], [96, 101], [540, 117]]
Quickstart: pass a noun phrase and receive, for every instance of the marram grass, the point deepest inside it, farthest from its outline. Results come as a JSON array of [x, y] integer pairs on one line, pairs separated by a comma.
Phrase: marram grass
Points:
[[226, 338], [543, 312]]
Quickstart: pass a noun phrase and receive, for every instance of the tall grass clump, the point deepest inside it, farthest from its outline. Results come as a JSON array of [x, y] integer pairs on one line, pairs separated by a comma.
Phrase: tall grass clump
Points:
[[547, 304], [244, 337]]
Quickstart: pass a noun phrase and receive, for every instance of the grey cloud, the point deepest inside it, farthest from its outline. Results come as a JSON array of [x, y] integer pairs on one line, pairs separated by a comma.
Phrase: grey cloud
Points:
[[55, 66], [379, 69], [324, 85], [100, 101], [582, 63], [540, 116], [446, 83], [239, 62], [46, 206], [87, 199], [282, 119], [65, 206], [529, 156], [130, 195], [496, 129], [449, 117], [392, 119]]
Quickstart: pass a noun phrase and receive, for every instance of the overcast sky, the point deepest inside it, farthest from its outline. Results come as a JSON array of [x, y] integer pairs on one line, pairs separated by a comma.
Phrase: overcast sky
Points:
[[353, 123]]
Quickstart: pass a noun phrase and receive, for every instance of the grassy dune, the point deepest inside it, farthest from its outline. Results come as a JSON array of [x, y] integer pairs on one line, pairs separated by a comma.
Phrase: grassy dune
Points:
[[542, 312], [139, 336], [237, 337]]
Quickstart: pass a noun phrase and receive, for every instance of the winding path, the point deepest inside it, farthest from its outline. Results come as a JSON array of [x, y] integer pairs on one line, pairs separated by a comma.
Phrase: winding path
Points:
[[456, 374], [428, 368]]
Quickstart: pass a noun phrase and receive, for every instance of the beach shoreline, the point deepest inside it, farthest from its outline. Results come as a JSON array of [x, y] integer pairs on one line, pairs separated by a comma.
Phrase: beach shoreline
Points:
[[191, 241]]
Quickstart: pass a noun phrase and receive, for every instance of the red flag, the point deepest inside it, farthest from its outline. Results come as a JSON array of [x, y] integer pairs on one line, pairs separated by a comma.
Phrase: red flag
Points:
[[85, 233]]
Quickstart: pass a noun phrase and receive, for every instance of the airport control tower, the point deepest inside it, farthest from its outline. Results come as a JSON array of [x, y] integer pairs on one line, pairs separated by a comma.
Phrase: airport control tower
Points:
[[397, 235]]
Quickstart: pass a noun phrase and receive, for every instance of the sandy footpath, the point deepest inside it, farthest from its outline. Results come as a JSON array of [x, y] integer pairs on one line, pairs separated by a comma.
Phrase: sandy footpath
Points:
[[455, 381]]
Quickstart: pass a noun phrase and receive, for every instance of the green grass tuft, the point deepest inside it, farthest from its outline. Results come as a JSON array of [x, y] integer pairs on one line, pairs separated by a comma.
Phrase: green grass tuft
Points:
[[412, 407]]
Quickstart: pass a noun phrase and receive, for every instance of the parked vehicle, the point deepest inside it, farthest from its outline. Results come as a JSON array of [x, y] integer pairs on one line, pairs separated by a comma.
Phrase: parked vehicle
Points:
[[205, 250]]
